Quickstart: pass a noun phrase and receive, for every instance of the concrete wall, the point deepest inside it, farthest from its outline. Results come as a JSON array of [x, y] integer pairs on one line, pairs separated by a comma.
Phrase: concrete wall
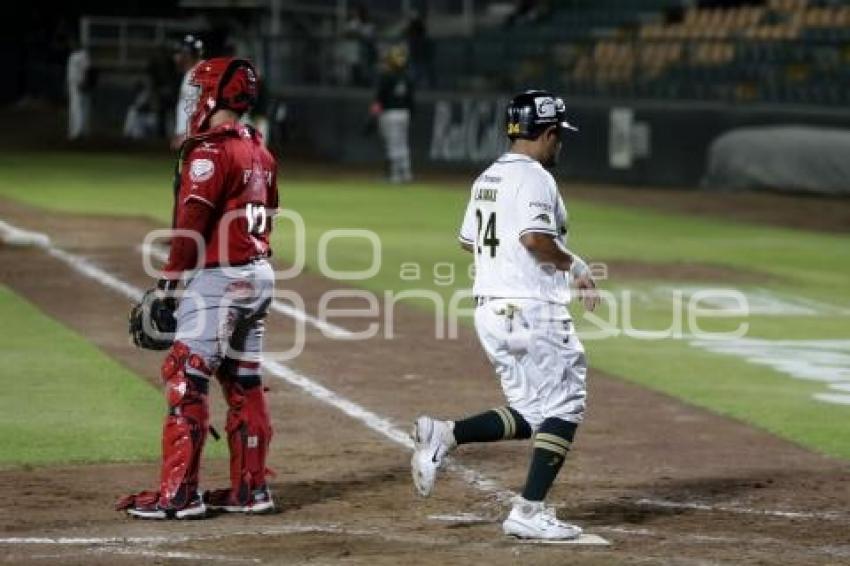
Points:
[[628, 142]]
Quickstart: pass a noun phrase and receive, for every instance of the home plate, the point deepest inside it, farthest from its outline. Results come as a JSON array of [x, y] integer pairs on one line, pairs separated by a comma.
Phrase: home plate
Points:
[[585, 539]]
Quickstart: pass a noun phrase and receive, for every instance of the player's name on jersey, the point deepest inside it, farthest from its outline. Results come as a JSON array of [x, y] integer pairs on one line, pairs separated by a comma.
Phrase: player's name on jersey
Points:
[[486, 194]]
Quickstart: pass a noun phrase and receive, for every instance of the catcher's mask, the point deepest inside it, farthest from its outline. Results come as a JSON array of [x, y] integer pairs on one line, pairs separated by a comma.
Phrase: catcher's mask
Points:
[[222, 82]]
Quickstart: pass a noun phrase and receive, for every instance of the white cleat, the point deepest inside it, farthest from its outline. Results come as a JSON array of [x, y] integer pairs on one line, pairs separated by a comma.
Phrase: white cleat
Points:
[[534, 520], [432, 439]]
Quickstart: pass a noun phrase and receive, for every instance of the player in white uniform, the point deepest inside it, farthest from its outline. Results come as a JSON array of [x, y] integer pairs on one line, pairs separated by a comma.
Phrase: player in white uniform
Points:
[[79, 92], [515, 226], [188, 55]]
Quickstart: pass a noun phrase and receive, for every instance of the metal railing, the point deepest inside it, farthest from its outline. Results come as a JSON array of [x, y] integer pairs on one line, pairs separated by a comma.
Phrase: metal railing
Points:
[[125, 43]]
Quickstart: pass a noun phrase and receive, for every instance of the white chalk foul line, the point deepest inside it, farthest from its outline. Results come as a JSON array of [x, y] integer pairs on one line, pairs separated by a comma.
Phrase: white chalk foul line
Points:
[[372, 420], [169, 554], [16, 236], [380, 425], [663, 503], [86, 541], [329, 329], [284, 529], [130, 546], [594, 540]]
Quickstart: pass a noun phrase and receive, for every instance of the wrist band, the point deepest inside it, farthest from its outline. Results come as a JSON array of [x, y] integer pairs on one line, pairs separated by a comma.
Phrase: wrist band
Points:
[[578, 268]]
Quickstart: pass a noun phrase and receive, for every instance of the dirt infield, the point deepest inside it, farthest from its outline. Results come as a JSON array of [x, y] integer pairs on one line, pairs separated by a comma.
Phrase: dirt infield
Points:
[[660, 480]]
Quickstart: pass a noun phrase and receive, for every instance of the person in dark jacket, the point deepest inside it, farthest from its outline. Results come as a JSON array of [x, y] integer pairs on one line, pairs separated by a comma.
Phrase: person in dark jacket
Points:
[[392, 106]]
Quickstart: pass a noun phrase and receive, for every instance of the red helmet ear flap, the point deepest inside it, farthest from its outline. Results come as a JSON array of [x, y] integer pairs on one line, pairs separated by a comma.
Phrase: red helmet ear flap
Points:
[[238, 86]]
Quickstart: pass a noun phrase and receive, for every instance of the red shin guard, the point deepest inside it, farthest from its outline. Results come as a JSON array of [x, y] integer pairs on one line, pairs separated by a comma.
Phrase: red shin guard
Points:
[[185, 428], [249, 433]]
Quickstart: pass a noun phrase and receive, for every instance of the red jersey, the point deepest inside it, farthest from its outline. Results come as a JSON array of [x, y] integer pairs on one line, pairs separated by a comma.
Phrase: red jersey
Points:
[[229, 170]]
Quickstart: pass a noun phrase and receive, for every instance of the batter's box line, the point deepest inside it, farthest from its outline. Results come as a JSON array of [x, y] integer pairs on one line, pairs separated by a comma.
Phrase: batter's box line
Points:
[[666, 504], [147, 544]]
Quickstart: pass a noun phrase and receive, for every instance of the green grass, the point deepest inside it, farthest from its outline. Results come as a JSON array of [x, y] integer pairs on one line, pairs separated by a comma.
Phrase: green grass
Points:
[[418, 224], [64, 400], [729, 385], [89, 184], [732, 387]]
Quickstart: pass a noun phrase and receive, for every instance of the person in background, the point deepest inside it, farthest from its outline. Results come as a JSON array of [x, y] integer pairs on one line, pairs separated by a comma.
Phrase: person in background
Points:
[[357, 48], [141, 121], [364, 75], [164, 80], [79, 77], [188, 55], [392, 107], [421, 49], [528, 12]]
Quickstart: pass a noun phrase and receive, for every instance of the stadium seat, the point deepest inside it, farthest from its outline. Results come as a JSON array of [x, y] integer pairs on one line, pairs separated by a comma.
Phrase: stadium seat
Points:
[[780, 51]]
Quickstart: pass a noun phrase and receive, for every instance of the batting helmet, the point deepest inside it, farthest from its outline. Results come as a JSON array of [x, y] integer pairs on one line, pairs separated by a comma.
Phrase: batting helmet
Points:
[[529, 114], [223, 82]]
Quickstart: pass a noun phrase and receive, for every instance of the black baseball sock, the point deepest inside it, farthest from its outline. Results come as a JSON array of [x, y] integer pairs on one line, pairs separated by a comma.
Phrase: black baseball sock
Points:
[[501, 423], [551, 444]]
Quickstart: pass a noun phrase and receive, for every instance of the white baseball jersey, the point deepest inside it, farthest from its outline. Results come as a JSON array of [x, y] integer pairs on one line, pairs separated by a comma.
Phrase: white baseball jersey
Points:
[[78, 65], [514, 196], [185, 102]]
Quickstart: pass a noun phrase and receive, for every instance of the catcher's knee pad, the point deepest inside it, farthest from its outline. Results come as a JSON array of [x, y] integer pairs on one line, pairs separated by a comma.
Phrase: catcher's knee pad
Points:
[[186, 425], [249, 429]]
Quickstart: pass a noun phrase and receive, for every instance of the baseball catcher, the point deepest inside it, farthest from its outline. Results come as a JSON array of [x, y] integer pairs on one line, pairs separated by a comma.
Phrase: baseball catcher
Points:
[[225, 197]]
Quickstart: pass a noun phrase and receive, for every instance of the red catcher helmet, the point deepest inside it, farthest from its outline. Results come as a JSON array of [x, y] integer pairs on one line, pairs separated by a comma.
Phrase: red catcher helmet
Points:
[[222, 82]]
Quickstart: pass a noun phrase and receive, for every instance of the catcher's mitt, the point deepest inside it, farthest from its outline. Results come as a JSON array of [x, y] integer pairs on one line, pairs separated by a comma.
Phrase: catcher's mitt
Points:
[[152, 321]]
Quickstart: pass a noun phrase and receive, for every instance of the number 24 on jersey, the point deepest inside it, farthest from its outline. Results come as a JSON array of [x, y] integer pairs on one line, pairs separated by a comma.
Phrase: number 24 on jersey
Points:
[[490, 240]]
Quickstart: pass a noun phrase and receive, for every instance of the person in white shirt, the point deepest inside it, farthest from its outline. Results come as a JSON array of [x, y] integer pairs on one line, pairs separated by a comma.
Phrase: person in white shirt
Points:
[[187, 57], [516, 227], [140, 119], [78, 77]]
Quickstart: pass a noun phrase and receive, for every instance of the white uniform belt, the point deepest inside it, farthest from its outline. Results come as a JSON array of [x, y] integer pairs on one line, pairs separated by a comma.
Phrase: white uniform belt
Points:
[[481, 301]]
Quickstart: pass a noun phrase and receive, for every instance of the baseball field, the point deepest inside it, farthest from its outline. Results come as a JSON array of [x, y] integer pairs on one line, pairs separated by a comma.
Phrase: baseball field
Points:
[[719, 406]]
